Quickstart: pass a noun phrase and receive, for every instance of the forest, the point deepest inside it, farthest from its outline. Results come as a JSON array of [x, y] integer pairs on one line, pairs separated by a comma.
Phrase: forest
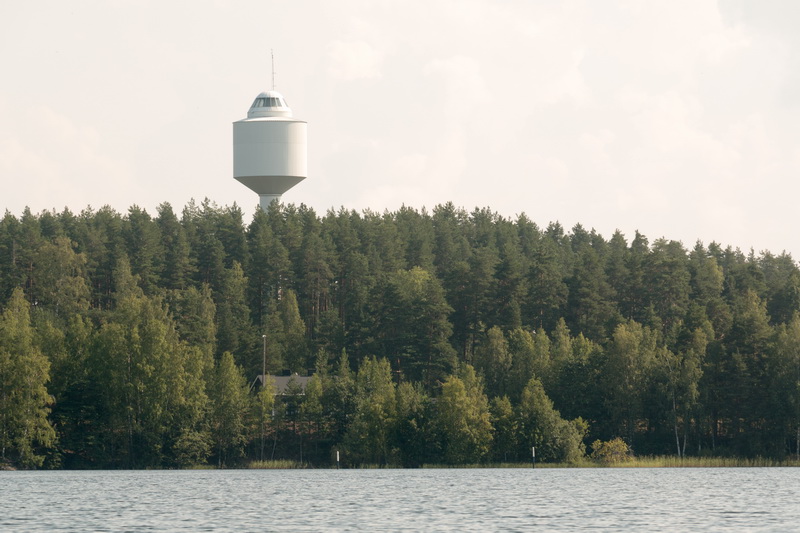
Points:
[[431, 337]]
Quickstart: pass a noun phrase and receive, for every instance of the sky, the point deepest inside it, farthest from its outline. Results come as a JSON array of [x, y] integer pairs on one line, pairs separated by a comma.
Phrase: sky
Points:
[[679, 119]]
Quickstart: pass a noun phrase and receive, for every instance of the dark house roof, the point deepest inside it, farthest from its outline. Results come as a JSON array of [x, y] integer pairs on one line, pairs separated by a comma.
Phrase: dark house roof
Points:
[[282, 382]]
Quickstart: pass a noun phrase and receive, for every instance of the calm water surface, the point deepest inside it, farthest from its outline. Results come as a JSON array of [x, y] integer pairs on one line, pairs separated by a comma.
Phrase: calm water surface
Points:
[[718, 499]]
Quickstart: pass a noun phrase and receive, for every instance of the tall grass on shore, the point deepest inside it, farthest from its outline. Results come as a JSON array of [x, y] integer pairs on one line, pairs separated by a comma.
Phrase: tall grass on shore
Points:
[[278, 464], [671, 461], [661, 461], [658, 461]]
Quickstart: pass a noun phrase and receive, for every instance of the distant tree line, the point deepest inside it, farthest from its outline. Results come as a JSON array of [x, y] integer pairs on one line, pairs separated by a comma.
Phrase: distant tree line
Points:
[[433, 337]]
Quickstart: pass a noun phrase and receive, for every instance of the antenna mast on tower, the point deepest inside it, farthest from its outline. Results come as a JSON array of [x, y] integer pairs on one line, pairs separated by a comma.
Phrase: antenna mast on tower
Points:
[[272, 53]]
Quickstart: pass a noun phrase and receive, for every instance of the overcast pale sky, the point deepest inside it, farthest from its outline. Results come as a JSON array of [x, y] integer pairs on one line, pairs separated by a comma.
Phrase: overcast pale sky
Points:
[[676, 118]]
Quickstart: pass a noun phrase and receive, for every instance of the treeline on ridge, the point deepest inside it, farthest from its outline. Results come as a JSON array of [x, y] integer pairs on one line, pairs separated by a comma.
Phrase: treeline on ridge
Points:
[[433, 337]]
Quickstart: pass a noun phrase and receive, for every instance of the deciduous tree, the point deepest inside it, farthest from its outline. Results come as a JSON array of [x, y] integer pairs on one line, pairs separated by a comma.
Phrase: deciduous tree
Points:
[[25, 431]]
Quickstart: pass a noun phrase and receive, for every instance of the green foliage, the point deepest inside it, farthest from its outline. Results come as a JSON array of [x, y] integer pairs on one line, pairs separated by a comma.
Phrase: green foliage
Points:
[[192, 448], [612, 451], [153, 384], [24, 401], [235, 332], [541, 425], [523, 352], [411, 325], [494, 359], [61, 277], [175, 264], [463, 418], [263, 410], [506, 429], [412, 438], [116, 326], [368, 437], [630, 358], [290, 336], [229, 394], [194, 309]]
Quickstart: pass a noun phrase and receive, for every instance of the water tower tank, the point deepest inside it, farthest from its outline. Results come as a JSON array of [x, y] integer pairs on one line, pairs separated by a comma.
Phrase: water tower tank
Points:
[[270, 148]]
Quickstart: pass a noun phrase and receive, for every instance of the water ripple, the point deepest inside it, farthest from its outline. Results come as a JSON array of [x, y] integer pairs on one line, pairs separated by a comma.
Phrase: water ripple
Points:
[[742, 499]]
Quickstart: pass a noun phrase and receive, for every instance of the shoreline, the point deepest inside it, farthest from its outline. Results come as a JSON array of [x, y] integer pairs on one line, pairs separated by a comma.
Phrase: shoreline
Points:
[[635, 462]]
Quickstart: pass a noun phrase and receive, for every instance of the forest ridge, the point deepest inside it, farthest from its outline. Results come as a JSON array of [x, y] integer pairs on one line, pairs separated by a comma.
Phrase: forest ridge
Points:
[[433, 337]]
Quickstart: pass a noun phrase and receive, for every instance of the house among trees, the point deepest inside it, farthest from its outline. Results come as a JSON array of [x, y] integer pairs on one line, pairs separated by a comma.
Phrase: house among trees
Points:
[[284, 385]]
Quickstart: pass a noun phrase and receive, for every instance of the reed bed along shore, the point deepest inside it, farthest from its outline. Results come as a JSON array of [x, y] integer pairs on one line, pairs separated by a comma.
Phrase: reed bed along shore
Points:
[[665, 461], [671, 461], [278, 464]]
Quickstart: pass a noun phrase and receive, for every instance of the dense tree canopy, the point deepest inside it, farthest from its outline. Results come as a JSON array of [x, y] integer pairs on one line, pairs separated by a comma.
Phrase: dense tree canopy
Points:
[[131, 340]]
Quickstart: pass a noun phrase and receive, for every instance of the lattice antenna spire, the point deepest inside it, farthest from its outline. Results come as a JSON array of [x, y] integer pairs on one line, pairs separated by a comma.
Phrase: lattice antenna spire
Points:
[[272, 53]]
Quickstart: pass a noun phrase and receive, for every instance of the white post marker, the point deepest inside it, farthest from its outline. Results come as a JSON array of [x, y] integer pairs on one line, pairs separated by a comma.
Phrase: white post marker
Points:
[[533, 456]]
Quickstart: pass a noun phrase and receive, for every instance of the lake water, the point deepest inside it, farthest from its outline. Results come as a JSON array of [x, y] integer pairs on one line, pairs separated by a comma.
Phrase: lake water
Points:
[[700, 499]]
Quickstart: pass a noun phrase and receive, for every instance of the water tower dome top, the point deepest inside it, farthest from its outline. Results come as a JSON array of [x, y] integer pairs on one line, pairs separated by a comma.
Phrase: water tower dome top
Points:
[[269, 104]]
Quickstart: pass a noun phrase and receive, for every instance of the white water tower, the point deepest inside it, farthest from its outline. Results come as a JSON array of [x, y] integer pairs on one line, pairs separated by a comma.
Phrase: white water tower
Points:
[[270, 148]]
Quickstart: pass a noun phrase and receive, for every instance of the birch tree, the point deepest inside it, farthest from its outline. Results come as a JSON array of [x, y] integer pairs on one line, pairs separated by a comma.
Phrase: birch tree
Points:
[[25, 430]]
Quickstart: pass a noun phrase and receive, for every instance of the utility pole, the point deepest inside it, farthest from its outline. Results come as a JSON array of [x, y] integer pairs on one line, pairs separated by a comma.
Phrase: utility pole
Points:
[[264, 365], [263, 388]]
